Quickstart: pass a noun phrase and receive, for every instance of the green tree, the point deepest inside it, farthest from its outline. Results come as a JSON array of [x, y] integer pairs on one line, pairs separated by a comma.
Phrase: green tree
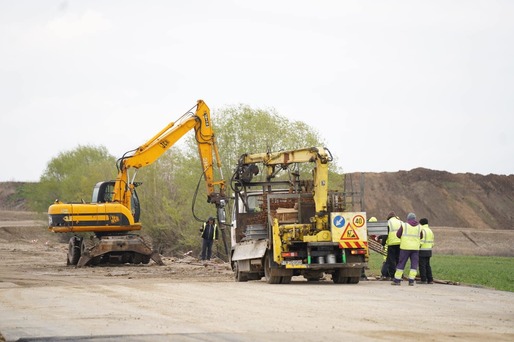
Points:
[[243, 129], [71, 176]]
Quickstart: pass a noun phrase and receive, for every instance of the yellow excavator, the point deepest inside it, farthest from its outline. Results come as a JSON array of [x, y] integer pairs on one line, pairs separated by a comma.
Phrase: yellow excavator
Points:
[[114, 210]]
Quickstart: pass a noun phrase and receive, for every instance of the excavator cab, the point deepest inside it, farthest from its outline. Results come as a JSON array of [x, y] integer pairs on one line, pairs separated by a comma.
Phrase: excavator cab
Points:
[[103, 192]]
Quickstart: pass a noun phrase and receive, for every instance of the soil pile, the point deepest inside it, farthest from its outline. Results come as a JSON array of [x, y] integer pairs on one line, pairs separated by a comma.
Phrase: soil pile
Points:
[[447, 200]]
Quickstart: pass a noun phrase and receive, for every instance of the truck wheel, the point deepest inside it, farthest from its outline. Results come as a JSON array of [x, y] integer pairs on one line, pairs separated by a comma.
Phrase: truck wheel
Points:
[[73, 252], [286, 279], [267, 271], [238, 275], [353, 280], [339, 278]]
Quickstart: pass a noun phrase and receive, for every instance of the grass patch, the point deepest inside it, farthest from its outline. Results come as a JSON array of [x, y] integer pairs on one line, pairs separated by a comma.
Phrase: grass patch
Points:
[[487, 271]]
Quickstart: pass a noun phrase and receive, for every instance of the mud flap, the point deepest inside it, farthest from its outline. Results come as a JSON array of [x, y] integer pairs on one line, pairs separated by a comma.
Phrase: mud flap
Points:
[[253, 249]]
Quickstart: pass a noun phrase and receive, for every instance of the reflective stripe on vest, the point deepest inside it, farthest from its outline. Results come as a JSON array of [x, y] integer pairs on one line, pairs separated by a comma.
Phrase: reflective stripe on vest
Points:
[[394, 224], [427, 242], [410, 237], [214, 226]]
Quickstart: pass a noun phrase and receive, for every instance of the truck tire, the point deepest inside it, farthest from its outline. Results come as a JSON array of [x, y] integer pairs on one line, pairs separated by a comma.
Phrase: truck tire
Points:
[[286, 279], [338, 277], [348, 276], [267, 271], [238, 275], [353, 280]]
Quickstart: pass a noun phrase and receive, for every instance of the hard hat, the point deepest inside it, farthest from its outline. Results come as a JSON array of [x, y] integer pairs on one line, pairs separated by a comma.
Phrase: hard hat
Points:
[[372, 219]]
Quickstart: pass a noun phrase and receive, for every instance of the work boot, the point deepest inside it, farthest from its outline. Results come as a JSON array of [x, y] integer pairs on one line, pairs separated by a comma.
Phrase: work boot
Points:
[[396, 282], [411, 282]]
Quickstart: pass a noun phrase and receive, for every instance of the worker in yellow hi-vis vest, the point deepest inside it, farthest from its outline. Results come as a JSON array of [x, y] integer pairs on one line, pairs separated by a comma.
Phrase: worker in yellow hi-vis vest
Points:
[[393, 245], [410, 237], [425, 252]]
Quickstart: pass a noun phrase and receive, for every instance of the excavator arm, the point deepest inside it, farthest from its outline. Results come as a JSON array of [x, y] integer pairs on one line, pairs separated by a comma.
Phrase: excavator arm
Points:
[[149, 152]]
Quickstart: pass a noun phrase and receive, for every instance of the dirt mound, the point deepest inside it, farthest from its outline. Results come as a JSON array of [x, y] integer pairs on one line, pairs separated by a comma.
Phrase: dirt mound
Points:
[[446, 199], [11, 196]]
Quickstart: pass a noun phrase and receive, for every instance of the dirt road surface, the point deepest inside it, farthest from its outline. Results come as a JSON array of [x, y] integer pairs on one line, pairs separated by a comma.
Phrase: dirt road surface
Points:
[[42, 299]]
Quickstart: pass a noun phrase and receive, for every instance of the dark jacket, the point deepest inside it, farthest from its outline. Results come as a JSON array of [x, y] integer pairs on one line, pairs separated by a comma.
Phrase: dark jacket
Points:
[[210, 231]]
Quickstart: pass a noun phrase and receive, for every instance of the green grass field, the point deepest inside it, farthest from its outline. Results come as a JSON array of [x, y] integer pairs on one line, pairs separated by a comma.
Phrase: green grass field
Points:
[[483, 271]]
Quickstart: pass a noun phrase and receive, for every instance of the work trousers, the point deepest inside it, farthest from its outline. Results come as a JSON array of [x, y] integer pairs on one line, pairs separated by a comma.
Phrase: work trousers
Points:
[[393, 257], [425, 270], [414, 262], [384, 271], [207, 249]]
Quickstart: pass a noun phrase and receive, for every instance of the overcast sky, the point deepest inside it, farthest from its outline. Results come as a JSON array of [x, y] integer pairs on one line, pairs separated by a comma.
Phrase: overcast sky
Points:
[[389, 85]]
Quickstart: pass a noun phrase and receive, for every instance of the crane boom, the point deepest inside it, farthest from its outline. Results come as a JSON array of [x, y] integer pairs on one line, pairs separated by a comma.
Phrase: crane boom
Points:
[[271, 160]]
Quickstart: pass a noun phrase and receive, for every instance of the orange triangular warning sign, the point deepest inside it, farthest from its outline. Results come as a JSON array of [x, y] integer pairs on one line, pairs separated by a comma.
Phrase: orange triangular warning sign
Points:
[[349, 233]]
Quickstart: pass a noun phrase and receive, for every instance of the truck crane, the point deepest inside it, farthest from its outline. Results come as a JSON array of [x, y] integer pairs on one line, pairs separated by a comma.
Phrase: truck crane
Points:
[[286, 224], [114, 210]]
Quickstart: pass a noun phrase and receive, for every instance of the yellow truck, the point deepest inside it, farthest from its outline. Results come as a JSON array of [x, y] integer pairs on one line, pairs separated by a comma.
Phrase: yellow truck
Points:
[[286, 225]]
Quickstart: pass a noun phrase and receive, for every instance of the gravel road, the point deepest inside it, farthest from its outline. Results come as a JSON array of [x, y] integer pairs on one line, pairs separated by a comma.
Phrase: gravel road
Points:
[[41, 299]]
